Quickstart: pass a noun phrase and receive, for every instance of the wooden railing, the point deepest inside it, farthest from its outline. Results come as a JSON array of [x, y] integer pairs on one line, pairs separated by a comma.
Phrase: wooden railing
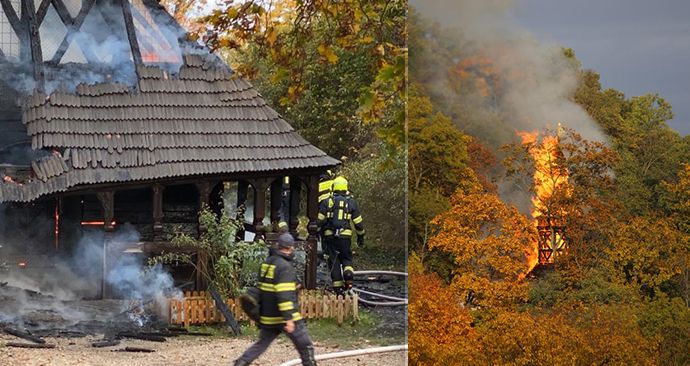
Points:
[[197, 307]]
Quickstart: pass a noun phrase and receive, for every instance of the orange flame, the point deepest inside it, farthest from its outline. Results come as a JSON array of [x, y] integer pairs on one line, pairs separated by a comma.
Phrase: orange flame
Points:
[[95, 223], [548, 179]]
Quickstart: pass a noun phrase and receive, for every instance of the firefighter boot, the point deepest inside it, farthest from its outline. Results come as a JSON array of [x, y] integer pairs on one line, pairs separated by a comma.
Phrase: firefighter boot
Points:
[[307, 356]]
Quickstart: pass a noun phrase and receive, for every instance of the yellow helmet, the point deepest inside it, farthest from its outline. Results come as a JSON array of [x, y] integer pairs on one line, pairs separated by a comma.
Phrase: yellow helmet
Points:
[[339, 184]]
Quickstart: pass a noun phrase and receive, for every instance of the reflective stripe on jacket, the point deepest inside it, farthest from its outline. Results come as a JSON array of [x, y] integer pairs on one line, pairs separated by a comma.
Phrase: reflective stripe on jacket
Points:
[[278, 285], [326, 209]]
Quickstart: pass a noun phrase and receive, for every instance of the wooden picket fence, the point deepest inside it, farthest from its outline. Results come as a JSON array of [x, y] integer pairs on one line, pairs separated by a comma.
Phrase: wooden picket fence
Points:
[[197, 307]]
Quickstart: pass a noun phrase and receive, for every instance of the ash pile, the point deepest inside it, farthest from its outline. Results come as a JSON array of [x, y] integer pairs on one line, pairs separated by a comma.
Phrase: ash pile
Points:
[[30, 316]]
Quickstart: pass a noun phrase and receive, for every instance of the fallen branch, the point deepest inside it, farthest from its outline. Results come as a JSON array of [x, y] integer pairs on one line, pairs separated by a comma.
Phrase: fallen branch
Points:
[[29, 345], [24, 335]]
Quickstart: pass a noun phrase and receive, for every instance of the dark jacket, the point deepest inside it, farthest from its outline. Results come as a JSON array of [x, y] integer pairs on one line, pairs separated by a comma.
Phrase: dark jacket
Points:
[[328, 215], [278, 285]]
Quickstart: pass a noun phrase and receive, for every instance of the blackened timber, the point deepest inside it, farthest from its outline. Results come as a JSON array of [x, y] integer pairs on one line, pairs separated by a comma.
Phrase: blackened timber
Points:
[[242, 186], [72, 29], [107, 201], [62, 11], [158, 212], [259, 206], [131, 34], [276, 195], [312, 213], [295, 198], [105, 343], [28, 345], [35, 43], [12, 17], [24, 335], [223, 308], [42, 11]]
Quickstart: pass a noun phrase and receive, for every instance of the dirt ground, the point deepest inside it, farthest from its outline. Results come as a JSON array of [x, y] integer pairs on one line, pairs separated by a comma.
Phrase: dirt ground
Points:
[[176, 351]]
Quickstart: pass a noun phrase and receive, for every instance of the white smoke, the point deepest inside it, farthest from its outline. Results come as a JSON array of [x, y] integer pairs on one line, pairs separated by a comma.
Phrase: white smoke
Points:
[[537, 80]]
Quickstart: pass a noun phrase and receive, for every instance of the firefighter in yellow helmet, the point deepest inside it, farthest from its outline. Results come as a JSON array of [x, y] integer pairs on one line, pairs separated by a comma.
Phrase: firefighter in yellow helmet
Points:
[[337, 213]]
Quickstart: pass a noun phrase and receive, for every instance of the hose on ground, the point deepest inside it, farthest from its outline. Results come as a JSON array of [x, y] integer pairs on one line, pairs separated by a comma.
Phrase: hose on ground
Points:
[[357, 352], [379, 295], [394, 273], [377, 303]]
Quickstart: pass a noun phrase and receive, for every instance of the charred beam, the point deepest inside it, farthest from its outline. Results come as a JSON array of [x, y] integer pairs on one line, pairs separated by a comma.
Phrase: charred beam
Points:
[[35, 43], [62, 11], [28, 345], [276, 195], [260, 186], [72, 29], [312, 213], [131, 34], [223, 308], [105, 343], [158, 212], [42, 11], [141, 336], [12, 17], [24, 335], [295, 198], [136, 349]]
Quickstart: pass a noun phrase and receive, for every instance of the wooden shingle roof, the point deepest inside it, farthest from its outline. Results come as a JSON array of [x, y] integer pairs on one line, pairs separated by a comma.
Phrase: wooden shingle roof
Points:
[[200, 121]]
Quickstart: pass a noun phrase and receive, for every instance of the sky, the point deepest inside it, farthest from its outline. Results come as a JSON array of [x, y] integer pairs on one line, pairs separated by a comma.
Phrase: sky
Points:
[[637, 46]]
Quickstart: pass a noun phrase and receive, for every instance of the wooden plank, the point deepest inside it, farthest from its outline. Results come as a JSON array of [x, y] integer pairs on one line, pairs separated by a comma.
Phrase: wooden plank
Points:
[[187, 310], [73, 29], [341, 303], [29, 13], [131, 35], [16, 24], [42, 11]]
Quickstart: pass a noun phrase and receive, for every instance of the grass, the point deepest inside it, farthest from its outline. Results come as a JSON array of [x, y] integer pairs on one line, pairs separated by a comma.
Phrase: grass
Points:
[[325, 332]]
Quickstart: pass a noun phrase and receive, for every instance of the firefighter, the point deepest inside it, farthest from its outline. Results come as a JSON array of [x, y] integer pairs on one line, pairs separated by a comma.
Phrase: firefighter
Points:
[[279, 310], [336, 214], [325, 185]]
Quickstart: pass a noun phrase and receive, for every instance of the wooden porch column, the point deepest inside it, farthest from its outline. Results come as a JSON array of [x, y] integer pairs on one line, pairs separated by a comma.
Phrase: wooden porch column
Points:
[[204, 188], [312, 213], [158, 212], [259, 185], [276, 195], [242, 186], [295, 198], [107, 203]]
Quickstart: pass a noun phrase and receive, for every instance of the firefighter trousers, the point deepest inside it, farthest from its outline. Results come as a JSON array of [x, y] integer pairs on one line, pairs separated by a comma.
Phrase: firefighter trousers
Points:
[[339, 251], [299, 337]]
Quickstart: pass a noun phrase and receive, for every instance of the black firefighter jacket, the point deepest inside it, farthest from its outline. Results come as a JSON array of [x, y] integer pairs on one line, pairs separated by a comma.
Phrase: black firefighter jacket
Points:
[[278, 285]]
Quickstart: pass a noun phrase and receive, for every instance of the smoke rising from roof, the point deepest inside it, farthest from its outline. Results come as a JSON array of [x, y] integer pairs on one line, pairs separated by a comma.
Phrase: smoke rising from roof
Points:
[[534, 81]]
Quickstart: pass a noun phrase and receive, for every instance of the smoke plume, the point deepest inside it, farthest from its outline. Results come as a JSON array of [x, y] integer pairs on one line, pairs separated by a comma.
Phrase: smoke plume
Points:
[[534, 81]]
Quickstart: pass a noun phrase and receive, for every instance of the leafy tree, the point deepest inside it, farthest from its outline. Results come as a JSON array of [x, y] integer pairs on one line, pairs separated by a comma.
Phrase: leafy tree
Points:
[[488, 241], [294, 35], [440, 328], [437, 150]]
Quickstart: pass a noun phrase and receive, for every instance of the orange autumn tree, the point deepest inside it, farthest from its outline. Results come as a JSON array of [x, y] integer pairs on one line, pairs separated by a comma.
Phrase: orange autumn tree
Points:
[[440, 331], [488, 240]]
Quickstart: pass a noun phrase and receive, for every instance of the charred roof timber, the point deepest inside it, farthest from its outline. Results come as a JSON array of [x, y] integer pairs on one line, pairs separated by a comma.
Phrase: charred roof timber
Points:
[[124, 96]]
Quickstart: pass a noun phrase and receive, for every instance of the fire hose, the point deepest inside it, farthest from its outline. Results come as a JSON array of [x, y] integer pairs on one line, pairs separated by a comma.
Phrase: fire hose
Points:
[[394, 273], [397, 301], [357, 352]]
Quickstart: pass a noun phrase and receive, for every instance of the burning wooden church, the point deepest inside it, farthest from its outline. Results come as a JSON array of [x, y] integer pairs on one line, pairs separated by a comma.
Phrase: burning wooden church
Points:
[[110, 115]]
